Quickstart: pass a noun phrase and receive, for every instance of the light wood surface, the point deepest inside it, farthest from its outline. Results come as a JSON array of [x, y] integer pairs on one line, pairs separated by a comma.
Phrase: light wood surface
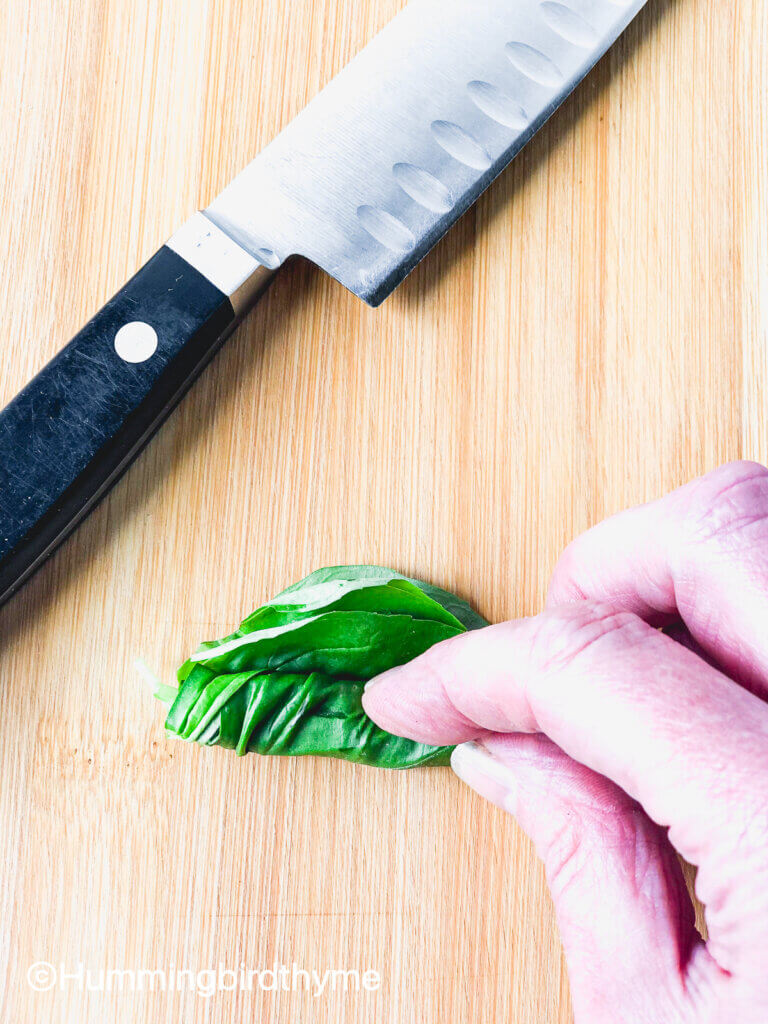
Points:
[[592, 334]]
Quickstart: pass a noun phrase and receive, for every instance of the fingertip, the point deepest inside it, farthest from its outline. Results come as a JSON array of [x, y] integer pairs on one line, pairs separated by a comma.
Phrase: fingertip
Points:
[[410, 702], [476, 765]]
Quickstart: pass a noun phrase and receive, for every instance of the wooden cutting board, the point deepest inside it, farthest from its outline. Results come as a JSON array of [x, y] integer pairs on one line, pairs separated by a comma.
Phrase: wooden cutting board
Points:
[[592, 334]]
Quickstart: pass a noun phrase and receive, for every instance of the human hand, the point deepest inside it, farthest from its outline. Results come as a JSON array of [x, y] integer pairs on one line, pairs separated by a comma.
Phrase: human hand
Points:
[[616, 745]]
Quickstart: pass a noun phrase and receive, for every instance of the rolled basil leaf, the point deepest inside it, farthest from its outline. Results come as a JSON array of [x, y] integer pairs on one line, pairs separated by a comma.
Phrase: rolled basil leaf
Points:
[[290, 680]]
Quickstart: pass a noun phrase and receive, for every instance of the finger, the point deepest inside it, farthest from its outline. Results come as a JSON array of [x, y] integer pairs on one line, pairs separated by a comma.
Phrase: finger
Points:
[[623, 699], [625, 917], [700, 553]]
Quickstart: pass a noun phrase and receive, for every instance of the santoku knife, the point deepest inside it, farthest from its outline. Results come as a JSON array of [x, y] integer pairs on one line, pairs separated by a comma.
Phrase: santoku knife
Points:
[[363, 183]]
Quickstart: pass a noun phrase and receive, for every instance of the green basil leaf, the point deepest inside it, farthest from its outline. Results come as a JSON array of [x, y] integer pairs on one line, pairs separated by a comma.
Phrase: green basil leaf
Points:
[[348, 645], [459, 608], [285, 713], [290, 680], [395, 596]]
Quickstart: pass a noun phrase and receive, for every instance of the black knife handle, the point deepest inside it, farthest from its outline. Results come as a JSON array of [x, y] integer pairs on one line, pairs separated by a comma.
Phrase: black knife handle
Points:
[[67, 437]]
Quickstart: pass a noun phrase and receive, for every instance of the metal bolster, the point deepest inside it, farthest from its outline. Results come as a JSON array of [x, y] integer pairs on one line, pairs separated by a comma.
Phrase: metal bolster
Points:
[[226, 264]]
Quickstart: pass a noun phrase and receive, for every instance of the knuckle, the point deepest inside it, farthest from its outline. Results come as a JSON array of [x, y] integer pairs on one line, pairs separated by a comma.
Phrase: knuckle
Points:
[[565, 858], [566, 634], [727, 502], [564, 585], [593, 840]]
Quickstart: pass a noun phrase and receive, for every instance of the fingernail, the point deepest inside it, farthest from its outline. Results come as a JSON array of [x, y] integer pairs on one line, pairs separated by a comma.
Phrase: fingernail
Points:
[[485, 773], [510, 804], [388, 675]]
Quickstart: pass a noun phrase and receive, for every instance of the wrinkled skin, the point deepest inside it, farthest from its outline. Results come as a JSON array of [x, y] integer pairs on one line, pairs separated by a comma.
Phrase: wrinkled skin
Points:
[[617, 746]]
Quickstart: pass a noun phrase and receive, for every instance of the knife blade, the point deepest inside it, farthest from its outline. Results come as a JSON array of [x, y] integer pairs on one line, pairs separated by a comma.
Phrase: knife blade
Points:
[[363, 182], [381, 163]]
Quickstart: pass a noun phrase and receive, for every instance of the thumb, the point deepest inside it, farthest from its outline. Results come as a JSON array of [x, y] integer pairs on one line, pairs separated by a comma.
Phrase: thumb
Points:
[[625, 917]]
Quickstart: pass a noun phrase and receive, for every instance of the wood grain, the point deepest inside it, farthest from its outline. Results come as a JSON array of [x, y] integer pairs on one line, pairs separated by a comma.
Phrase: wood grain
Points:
[[592, 334]]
